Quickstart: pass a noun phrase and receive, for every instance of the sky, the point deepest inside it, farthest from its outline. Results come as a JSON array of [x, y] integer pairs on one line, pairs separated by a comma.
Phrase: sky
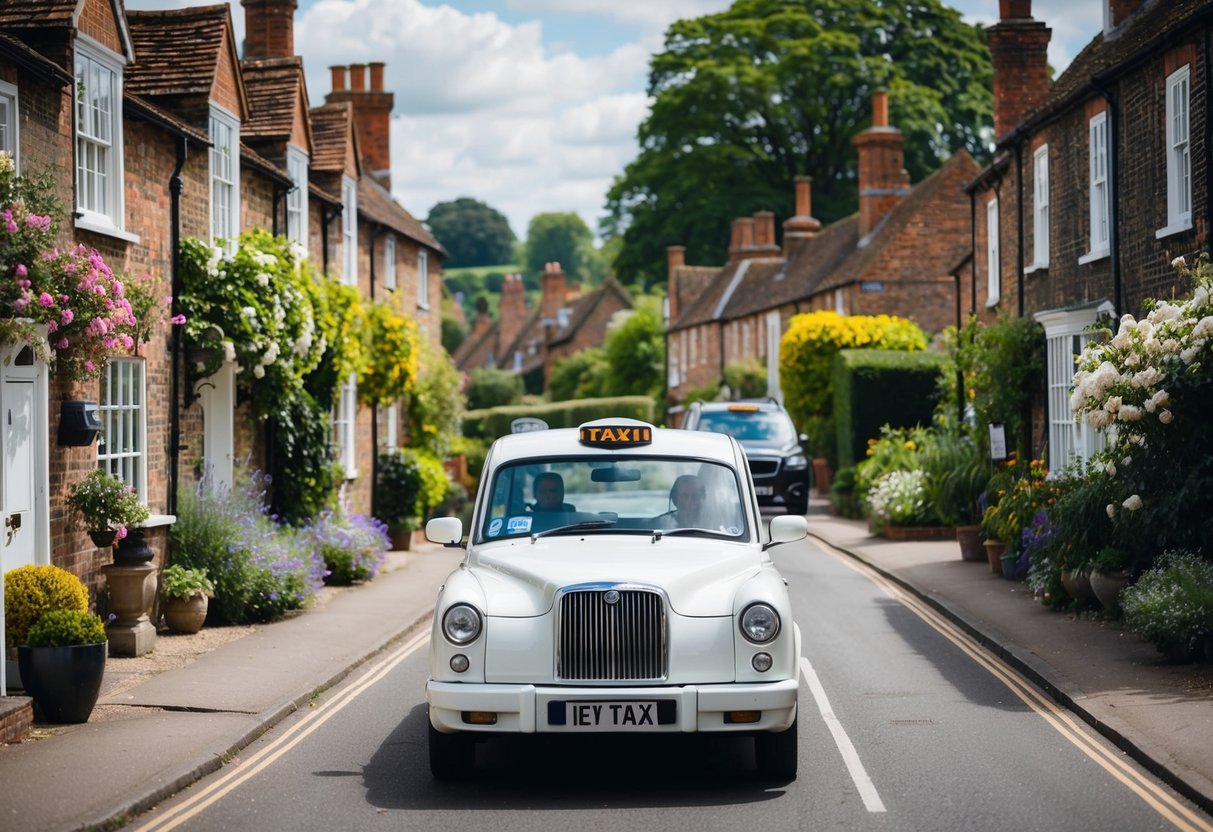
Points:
[[530, 106]]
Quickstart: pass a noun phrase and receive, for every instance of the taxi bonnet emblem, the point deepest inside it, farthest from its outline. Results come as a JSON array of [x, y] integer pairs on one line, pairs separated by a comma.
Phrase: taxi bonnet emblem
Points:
[[611, 596]]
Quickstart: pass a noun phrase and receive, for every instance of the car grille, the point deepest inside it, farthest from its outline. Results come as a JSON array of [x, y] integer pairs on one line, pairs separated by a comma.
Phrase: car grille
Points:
[[764, 467], [601, 642]]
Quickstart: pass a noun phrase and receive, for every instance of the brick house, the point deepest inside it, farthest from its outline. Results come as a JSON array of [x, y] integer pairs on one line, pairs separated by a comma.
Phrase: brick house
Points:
[[1100, 180], [903, 253], [529, 341], [187, 139]]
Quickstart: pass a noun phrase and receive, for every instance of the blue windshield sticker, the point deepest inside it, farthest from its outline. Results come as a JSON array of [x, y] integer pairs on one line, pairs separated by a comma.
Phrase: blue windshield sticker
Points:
[[519, 525], [495, 527]]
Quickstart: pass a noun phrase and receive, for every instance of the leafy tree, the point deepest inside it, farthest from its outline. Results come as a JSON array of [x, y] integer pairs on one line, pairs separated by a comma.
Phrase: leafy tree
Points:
[[635, 352], [491, 387], [474, 233], [454, 330], [746, 99], [562, 238], [580, 376]]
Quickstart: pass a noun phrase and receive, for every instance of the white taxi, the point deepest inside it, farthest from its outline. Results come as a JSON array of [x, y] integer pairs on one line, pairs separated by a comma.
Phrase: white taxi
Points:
[[616, 580]]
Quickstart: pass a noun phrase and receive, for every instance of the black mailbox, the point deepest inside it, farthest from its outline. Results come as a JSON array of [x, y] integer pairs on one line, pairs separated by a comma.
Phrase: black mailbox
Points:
[[79, 423]]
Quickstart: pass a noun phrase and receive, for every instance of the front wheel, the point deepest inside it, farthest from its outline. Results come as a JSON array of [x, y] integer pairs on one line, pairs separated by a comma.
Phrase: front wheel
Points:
[[777, 754], [452, 756]]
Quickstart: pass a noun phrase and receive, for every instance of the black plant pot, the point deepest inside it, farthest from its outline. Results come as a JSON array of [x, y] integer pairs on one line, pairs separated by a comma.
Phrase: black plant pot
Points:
[[63, 681]]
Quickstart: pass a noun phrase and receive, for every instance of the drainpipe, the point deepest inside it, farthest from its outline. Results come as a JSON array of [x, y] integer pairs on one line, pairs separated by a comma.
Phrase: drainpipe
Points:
[[1208, 148], [375, 233], [175, 187], [973, 252], [1019, 276]]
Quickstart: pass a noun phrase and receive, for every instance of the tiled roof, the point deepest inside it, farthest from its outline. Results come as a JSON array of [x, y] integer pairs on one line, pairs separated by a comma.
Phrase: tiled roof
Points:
[[36, 14], [142, 108], [376, 203], [505, 359], [176, 51], [273, 86], [332, 130], [581, 308], [24, 56], [472, 347], [253, 159]]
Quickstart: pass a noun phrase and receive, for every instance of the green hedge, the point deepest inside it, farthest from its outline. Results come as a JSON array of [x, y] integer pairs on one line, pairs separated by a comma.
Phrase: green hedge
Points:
[[873, 388], [493, 422]]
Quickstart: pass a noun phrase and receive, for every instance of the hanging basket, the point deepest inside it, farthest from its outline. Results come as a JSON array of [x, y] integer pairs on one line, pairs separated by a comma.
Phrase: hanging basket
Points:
[[104, 538]]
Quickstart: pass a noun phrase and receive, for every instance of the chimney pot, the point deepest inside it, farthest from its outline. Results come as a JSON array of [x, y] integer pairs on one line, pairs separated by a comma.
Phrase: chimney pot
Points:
[[1014, 9], [880, 108], [358, 77], [804, 196], [338, 73], [376, 76]]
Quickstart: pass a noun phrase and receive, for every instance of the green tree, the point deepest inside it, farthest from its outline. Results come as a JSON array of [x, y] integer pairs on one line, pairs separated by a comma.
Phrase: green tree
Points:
[[746, 99], [562, 238], [580, 376], [491, 387], [635, 352], [472, 232]]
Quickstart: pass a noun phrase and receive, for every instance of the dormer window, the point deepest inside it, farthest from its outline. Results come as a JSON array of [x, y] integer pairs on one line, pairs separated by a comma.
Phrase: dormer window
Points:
[[225, 177]]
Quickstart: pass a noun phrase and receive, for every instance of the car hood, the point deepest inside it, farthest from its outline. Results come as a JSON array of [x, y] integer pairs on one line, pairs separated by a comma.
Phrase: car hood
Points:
[[760, 448], [521, 578]]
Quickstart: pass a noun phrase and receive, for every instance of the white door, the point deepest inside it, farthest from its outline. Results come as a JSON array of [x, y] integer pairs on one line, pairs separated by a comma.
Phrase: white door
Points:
[[773, 334], [217, 396], [24, 535]]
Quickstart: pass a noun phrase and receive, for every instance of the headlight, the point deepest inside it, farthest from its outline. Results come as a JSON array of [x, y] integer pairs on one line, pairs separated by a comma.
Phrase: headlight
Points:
[[759, 623], [461, 624], [796, 462]]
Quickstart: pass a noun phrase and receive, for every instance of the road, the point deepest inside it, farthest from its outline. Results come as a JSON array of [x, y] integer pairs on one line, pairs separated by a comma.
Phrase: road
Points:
[[904, 725]]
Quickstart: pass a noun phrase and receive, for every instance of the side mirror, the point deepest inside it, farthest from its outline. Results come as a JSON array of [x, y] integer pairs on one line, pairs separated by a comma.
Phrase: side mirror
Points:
[[447, 530], [787, 528], [804, 437]]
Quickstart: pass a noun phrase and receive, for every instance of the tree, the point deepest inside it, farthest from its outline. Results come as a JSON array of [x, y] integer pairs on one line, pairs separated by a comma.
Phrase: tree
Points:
[[749, 98], [562, 238], [473, 233], [580, 376], [635, 352]]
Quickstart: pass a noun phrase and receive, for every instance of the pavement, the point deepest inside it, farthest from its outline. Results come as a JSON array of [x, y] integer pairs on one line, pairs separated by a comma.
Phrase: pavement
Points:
[[180, 725]]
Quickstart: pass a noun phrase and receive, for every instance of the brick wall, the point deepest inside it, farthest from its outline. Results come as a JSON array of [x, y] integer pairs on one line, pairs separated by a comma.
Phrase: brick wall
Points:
[[97, 21]]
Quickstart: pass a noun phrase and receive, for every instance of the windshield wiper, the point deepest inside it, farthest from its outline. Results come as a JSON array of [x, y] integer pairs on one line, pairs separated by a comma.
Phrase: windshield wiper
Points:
[[688, 531], [585, 525]]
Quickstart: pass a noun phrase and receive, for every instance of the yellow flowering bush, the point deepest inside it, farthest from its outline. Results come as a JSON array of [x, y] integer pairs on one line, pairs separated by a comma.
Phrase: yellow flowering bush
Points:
[[391, 363], [31, 591]]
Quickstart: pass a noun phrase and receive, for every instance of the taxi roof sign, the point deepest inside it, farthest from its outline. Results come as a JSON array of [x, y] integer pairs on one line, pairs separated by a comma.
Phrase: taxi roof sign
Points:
[[747, 408], [606, 434], [525, 424]]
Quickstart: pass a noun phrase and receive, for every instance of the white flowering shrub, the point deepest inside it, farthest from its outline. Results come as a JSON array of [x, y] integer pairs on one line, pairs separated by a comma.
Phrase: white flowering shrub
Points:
[[1172, 604], [899, 498]]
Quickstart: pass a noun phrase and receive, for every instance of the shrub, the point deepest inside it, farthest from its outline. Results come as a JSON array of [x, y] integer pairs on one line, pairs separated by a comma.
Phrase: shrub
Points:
[[843, 496], [177, 581], [899, 498], [354, 547], [494, 422], [1171, 604], [896, 450], [66, 628], [435, 407], [32, 591], [1003, 365], [746, 379], [956, 475], [491, 387], [580, 376], [411, 482]]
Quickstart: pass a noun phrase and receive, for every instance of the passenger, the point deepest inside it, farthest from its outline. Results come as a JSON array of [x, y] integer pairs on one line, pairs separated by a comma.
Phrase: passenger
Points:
[[549, 493], [688, 495]]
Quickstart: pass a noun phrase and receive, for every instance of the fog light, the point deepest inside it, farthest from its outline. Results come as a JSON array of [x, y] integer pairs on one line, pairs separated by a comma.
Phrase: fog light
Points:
[[741, 717], [459, 662], [480, 717], [762, 662]]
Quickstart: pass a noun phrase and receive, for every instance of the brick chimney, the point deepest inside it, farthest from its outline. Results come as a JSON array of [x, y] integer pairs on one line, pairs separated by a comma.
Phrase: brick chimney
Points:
[[741, 239], [269, 28], [372, 114], [551, 298], [1117, 10], [764, 234], [511, 313], [1019, 50], [883, 181], [675, 259], [804, 224]]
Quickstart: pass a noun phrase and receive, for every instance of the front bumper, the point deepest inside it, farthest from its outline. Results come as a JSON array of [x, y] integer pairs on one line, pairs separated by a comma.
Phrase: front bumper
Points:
[[525, 709]]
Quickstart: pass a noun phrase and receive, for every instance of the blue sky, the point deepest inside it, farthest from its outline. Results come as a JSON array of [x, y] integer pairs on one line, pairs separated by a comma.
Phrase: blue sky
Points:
[[530, 105]]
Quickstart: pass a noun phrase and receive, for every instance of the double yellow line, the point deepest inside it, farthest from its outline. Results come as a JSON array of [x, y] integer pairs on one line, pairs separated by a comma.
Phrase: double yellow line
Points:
[[1154, 796], [244, 770]]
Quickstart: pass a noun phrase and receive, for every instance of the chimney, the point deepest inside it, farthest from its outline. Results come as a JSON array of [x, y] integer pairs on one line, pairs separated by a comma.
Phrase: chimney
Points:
[[1117, 10], [883, 181], [372, 115], [511, 315], [269, 28], [552, 292], [804, 224], [741, 239], [764, 234], [675, 258], [1019, 49]]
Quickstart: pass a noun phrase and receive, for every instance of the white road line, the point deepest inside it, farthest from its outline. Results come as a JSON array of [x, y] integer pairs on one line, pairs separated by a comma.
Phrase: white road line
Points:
[[867, 790]]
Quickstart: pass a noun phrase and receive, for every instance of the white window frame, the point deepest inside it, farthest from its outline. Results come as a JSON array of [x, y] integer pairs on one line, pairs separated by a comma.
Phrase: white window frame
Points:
[[993, 254], [349, 231], [674, 371], [840, 305], [10, 135], [1100, 189], [122, 447], [1066, 333], [423, 279], [1040, 207], [297, 162], [693, 359], [774, 334], [1179, 152], [98, 139], [224, 131], [392, 418], [389, 261], [345, 423]]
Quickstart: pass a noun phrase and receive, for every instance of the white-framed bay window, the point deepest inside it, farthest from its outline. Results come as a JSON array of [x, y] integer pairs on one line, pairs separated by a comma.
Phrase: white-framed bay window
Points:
[[1067, 331], [1100, 195], [1179, 154], [9, 136], [345, 427], [993, 254], [423, 279], [296, 199], [225, 177], [674, 368], [1040, 207], [389, 261], [99, 170], [122, 446], [349, 231]]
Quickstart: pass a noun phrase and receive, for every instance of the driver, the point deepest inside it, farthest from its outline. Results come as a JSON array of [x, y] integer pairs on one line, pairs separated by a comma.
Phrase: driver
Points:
[[549, 493], [688, 496]]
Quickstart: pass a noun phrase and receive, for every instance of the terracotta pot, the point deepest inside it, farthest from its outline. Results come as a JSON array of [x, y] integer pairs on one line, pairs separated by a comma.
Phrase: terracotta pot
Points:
[[822, 475], [994, 552], [969, 538], [912, 533], [402, 539], [185, 615]]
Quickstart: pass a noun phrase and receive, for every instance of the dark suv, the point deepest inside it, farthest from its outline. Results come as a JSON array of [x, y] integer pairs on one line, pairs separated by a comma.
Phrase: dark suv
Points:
[[778, 463]]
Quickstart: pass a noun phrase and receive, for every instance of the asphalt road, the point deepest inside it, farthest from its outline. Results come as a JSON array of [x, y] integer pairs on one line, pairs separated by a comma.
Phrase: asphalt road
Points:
[[904, 725]]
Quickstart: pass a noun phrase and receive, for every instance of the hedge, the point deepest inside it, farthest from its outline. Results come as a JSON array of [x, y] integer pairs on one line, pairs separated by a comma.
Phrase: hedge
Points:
[[493, 422]]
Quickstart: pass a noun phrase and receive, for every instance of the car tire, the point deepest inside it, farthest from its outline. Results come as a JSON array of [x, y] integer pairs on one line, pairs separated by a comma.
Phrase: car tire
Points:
[[777, 754], [452, 756]]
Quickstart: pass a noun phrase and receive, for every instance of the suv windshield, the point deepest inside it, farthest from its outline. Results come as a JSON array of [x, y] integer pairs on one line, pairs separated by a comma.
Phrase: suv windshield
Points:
[[769, 426], [632, 495]]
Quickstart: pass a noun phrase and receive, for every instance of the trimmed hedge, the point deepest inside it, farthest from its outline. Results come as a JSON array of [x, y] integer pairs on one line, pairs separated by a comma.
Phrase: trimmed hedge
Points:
[[873, 388], [493, 422]]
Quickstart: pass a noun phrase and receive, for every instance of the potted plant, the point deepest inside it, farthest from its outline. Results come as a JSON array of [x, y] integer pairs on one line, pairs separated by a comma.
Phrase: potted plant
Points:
[[1109, 577], [30, 591], [63, 663], [957, 474], [106, 505], [410, 483], [185, 593]]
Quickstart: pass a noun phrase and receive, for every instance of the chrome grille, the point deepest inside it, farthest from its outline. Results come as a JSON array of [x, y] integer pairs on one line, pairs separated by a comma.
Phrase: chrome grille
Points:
[[624, 641]]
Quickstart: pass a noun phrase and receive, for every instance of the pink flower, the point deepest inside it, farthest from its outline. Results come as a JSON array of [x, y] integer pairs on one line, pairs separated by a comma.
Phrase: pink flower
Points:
[[22, 271], [67, 316], [177, 320], [61, 344], [46, 300], [121, 529]]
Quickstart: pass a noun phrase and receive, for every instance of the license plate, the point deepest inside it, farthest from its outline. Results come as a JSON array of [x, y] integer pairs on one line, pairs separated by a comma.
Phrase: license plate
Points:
[[764, 490], [612, 716]]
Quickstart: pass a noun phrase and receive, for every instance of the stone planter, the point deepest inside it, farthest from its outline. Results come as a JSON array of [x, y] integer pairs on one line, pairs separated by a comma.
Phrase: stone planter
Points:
[[994, 553], [969, 538], [63, 681], [919, 532], [185, 615], [1107, 588]]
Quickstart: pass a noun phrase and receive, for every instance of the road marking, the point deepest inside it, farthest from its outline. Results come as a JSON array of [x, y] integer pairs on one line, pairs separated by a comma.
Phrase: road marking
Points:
[[1151, 793], [859, 775], [243, 770]]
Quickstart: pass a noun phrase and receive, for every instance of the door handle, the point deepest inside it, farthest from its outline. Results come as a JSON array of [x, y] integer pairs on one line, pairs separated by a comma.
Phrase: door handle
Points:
[[13, 522]]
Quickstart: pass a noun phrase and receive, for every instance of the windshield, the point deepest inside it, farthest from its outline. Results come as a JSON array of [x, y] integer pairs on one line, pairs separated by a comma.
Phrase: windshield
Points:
[[629, 495], [750, 425]]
